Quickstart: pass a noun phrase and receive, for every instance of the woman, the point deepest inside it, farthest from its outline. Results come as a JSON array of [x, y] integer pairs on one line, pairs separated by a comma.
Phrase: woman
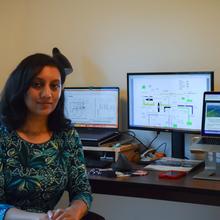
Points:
[[41, 154]]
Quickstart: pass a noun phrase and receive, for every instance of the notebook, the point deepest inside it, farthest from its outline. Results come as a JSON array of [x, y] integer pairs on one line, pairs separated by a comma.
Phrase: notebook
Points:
[[94, 112], [210, 131]]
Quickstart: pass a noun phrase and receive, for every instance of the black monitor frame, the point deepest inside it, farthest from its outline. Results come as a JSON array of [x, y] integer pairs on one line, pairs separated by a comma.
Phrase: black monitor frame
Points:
[[100, 89], [177, 135]]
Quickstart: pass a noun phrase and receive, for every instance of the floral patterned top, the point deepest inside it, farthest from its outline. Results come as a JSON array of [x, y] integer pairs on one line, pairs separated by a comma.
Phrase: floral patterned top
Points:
[[33, 177]]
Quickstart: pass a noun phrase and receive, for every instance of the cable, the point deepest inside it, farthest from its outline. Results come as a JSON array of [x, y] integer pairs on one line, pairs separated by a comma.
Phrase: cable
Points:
[[132, 133], [158, 132], [165, 146]]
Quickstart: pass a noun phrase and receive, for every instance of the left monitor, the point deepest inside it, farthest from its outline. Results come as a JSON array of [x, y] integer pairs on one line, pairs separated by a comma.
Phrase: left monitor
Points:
[[92, 107]]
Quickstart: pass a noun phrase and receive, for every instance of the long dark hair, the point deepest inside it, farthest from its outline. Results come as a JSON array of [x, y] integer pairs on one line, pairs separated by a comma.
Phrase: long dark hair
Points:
[[13, 110]]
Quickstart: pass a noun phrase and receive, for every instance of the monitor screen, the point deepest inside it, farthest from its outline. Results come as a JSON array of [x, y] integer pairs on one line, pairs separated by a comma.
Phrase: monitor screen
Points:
[[167, 101], [211, 114], [95, 107]]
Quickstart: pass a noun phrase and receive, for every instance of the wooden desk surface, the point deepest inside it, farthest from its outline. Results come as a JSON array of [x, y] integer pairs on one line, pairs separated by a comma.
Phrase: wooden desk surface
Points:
[[185, 189]]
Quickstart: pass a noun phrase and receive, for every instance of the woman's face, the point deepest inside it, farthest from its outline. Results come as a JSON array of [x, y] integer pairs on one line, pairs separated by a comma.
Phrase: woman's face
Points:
[[44, 92]]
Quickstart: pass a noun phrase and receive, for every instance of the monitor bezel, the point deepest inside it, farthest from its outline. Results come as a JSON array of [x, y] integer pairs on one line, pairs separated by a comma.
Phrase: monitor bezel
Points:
[[97, 88], [150, 128]]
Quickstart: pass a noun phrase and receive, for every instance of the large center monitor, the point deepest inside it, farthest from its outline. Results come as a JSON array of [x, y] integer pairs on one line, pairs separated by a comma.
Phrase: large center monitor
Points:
[[168, 101]]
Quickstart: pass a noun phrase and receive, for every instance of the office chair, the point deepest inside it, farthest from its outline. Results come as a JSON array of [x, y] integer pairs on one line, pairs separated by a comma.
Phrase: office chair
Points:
[[62, 60], [92, 216]]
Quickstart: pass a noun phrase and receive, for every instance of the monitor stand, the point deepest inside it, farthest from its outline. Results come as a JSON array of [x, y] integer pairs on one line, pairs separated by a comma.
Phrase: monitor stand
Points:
[[178, 144], [212, 168], [208, 175]]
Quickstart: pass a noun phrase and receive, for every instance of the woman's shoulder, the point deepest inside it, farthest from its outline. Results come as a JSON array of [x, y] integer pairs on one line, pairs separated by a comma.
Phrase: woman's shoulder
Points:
[[4, 136], [4, 130]]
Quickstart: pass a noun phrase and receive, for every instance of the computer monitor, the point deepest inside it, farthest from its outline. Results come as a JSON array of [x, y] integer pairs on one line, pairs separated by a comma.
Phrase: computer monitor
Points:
[[168, 101], [92, 107]]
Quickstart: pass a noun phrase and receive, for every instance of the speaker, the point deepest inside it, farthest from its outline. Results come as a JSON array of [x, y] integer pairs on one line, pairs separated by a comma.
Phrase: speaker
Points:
[[122, 164]]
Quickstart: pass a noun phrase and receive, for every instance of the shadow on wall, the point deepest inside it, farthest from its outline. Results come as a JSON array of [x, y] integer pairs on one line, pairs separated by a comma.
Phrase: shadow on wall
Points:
[[91, 73]]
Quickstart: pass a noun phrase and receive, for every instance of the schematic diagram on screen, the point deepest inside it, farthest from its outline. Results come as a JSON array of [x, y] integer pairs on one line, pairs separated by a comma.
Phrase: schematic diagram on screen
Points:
[[176, 107], [92, 108]]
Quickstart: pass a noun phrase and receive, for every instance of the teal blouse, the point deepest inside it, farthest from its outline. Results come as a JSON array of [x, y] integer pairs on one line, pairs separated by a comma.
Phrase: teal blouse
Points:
[[33, 177]]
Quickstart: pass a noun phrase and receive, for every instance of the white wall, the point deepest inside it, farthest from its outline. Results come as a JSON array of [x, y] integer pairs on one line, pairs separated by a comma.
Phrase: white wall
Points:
[[105, 39], [12, 36]]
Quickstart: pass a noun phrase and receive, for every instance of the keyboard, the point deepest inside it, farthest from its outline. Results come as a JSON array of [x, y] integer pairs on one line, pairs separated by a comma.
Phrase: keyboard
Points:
[[169, 163], [212, 141]]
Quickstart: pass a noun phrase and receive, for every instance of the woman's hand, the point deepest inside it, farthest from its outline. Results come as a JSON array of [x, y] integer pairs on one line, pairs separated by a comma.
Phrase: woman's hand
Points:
[[61, 214], [74, 212]]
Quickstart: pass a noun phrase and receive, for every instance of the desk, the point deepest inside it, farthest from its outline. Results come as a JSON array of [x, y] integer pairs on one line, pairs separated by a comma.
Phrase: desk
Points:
[[185, 189]]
